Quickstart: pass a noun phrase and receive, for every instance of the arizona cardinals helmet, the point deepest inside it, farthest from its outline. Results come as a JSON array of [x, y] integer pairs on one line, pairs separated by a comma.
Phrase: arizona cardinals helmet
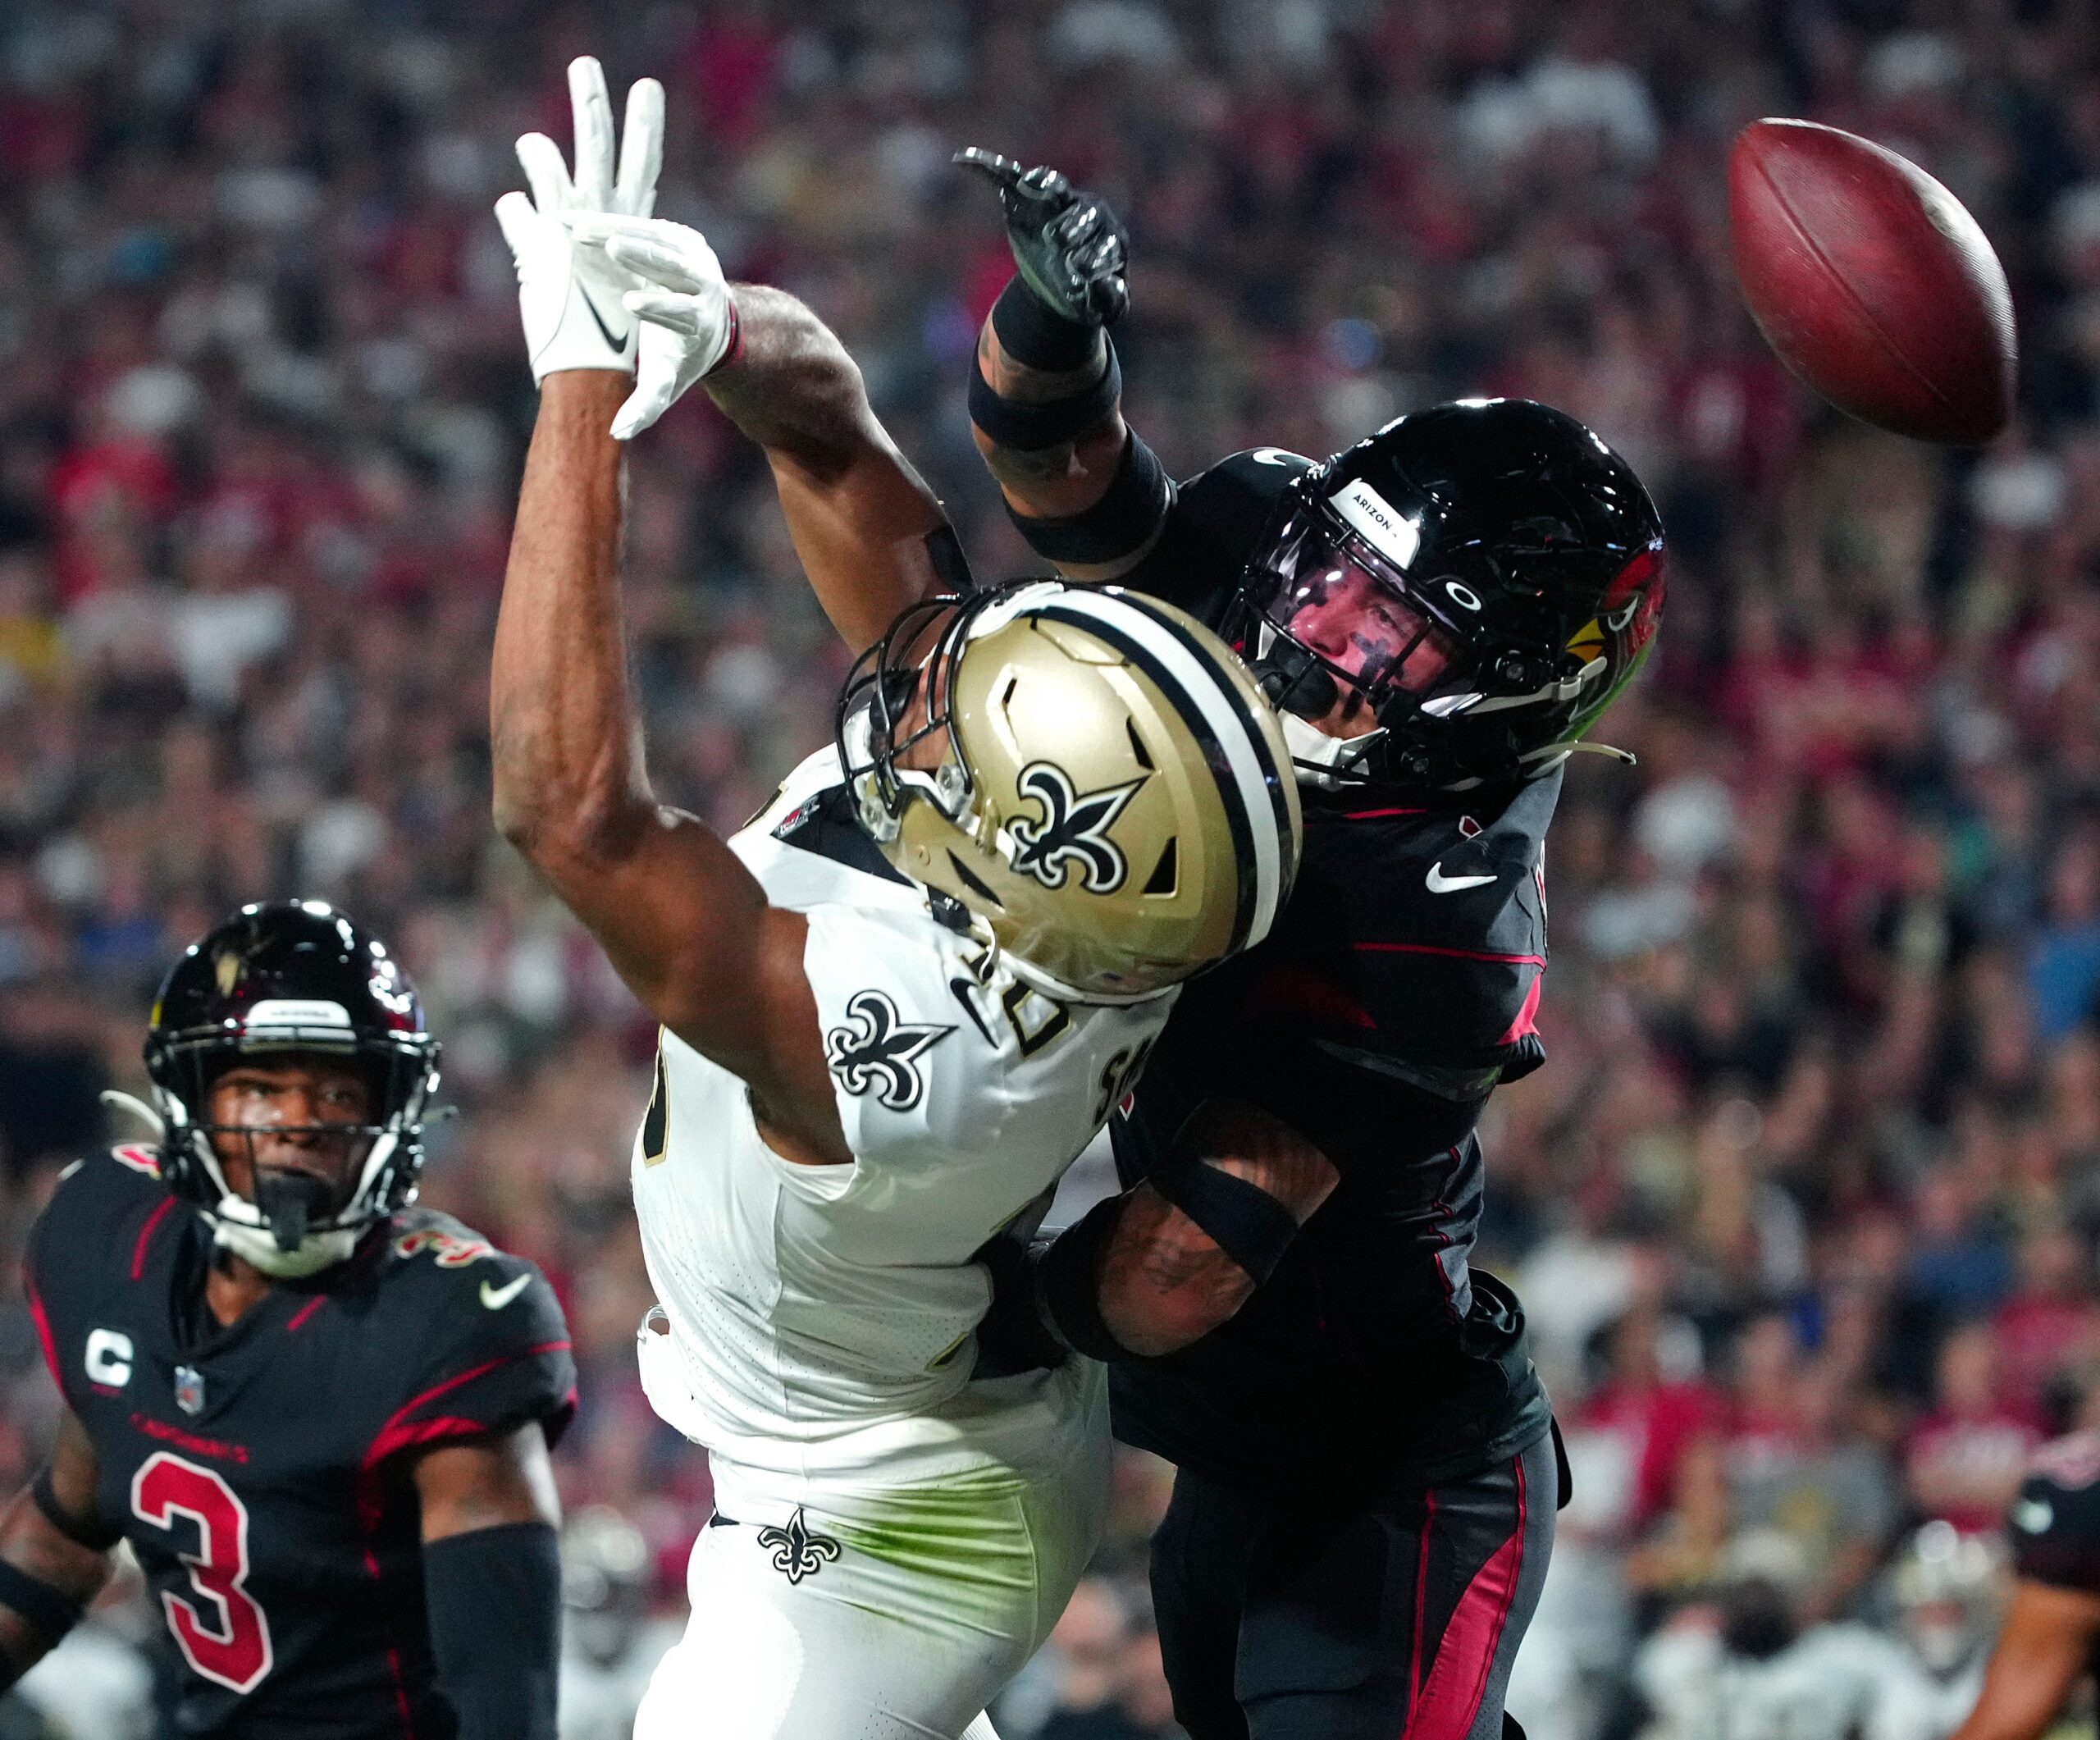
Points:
[[1459, 596], [289, 976]]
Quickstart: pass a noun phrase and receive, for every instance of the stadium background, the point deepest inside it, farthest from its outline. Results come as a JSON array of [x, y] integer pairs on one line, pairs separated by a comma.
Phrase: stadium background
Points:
[[1804, 1206]]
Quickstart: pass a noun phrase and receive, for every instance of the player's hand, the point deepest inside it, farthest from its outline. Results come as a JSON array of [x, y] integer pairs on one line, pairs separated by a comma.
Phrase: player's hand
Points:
[[1070, 248], [570, 299], [688, 322], [1013, 1334]]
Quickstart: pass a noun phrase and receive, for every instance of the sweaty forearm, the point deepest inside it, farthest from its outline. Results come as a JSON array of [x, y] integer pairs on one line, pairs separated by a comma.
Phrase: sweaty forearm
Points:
[[864, 523], [1164, 1282], [563, 727], [790, 386], [1188, 1248]]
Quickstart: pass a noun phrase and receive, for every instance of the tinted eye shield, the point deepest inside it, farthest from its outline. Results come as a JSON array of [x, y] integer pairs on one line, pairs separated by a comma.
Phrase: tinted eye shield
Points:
[[1336, 615]]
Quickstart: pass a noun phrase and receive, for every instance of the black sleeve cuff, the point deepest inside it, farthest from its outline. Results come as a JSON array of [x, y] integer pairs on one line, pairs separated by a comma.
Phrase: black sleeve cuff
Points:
[[1122, 522], [1035, 335], [495, 1600], [1030, 428]]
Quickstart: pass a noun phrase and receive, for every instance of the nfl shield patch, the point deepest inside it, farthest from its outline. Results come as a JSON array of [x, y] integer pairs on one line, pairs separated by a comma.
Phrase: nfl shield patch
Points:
[[188, 1388]]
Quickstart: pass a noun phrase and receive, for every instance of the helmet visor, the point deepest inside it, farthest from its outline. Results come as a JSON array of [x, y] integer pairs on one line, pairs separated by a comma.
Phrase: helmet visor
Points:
[[1347, 616]]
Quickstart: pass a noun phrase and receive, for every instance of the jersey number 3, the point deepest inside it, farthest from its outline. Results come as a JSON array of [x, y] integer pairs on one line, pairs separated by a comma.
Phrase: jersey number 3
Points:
[[227, 1641]]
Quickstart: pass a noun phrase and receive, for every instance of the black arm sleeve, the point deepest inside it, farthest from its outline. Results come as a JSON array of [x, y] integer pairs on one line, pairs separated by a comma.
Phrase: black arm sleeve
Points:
[[495, 1600]]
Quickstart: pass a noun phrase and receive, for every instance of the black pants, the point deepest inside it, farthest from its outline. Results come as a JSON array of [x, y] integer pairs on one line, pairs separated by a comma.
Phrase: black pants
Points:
[[1304, 1624]]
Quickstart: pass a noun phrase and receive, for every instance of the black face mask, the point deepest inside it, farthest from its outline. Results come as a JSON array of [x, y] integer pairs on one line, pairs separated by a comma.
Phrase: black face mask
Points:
[[291, 1201]]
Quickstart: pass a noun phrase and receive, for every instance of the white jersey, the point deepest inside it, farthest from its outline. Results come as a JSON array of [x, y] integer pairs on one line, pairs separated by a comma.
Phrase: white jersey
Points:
[[822, 1318]]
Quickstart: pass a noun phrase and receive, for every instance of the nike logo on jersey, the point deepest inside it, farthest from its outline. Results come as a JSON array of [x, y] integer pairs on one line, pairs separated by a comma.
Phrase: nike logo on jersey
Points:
[[1275, 456], [874, 1051], [2032, 1515], [965, 993], [496, 1298], [1440, 883]]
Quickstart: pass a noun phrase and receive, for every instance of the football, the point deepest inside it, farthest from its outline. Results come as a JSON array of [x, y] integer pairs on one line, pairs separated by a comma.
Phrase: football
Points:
[[1872, 281]]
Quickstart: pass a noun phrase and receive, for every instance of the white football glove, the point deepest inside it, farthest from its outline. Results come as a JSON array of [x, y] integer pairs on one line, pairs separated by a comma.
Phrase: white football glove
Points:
[[687, 317], [570, 297]]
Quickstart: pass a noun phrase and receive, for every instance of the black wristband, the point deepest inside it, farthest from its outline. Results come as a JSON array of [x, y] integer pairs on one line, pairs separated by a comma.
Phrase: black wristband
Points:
[[494, 1597], [47, 1608], [1035, 335], [1028, 428], [1250, 1225], [91, 1532], [1068, 1283], [1130, 510]]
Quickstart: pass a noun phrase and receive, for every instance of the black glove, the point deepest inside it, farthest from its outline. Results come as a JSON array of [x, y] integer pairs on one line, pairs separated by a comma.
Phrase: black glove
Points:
[[1015, 1336], [1071, 249]]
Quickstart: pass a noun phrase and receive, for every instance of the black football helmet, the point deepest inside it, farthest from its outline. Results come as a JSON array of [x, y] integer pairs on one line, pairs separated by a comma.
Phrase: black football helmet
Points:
[[291, 976], [1474, 583]]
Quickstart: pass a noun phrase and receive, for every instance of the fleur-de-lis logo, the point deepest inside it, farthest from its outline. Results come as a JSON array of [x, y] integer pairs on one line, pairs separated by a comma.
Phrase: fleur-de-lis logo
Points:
[[795, 1549], [875, 1051], [1073, 833]]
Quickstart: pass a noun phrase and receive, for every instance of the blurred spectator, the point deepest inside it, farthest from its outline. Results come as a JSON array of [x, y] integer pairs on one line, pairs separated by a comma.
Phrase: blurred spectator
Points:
[[1964, 1461]]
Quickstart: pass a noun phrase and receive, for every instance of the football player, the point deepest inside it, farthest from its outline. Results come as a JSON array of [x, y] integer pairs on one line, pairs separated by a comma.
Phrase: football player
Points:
[[2052, 1625], [1365, 1501], [1444, 610], [895, 1008], [319, 1416]]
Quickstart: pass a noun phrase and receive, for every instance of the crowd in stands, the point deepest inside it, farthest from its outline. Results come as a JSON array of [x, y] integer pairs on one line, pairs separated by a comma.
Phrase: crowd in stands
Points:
[[1804, 1206]]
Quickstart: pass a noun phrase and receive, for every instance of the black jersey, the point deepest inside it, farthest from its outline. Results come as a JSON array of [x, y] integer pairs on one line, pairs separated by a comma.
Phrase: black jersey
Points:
[[2056, 1520], [1399, 987], [257, 1468]]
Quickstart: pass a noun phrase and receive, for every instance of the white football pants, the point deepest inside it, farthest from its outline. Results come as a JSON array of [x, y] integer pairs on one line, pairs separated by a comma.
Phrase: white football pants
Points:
[[893, 1615]]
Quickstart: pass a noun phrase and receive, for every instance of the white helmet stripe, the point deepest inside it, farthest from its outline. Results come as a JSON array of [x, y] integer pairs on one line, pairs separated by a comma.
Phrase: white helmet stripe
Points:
[[1255, 783]]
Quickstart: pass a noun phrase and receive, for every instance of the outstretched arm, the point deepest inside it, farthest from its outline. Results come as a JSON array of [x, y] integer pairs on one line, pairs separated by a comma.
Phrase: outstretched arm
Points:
[[864, 523], [1046, 405], [687, 925]]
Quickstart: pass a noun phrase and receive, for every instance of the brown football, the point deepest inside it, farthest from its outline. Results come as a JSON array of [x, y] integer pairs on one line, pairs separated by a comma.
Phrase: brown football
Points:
[[1872, 281]]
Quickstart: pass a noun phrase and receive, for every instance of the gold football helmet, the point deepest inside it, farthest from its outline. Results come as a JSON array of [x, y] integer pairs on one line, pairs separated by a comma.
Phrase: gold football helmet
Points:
[[1090, 773]]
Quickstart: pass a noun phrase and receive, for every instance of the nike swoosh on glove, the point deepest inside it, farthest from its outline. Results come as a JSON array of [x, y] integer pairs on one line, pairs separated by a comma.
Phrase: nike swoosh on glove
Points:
[[570, 297], [689, 319]]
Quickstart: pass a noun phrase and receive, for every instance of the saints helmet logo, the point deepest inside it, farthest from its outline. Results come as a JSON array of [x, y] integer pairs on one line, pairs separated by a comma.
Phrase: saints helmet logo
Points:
[[1073, 833], [795, 1550], [875, 1051]]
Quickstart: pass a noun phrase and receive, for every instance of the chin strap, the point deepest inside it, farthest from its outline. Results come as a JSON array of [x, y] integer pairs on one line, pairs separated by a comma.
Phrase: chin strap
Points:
[[1326, 763], [257, 1244]]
